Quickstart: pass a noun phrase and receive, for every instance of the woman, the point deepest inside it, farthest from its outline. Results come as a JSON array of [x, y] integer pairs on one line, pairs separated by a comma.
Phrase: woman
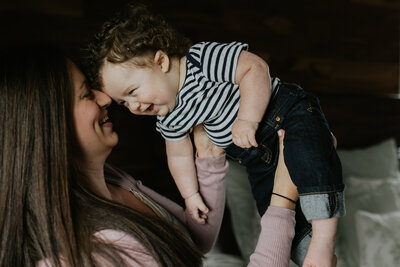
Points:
[[60, 204]]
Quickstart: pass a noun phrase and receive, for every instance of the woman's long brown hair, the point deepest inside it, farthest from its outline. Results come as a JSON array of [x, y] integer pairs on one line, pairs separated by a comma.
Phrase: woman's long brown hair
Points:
[[44, 211]]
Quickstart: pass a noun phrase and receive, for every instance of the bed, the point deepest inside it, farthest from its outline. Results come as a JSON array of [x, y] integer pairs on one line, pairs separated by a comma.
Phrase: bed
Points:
[[368, 131]]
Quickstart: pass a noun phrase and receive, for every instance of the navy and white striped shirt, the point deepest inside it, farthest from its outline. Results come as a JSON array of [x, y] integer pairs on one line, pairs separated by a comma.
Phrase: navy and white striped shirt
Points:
[[208, 95]]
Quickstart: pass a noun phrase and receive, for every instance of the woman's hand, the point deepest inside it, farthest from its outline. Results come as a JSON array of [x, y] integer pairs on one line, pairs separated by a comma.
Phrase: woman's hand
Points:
[[205, 148]]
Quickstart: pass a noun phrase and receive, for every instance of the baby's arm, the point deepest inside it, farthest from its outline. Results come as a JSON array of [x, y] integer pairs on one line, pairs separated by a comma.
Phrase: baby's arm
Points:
[[252, 75], [183, 170]]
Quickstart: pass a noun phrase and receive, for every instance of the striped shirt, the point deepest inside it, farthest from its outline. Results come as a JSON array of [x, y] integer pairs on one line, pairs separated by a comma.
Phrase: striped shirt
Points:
[[208, 95]]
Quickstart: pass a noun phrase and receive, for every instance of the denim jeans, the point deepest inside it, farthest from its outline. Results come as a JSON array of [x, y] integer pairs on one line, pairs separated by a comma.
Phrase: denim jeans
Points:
[[310, 157]]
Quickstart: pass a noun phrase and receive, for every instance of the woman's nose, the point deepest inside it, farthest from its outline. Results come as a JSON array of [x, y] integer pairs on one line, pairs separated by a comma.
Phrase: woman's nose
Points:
[[102, 99]]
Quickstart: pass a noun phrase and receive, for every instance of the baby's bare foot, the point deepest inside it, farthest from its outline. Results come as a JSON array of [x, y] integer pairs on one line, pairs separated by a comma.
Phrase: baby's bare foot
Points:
[[321, 252]]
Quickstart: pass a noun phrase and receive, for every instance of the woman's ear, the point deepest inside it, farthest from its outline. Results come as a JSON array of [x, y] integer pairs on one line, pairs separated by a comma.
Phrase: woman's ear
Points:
[[161, 59]]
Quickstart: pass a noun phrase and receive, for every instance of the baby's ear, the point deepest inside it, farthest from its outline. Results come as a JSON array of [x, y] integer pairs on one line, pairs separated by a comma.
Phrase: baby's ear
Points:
[[161, 59]]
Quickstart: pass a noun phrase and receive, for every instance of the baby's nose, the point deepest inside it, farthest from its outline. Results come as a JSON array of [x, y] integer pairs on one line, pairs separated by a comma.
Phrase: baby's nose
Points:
[[133, 107]]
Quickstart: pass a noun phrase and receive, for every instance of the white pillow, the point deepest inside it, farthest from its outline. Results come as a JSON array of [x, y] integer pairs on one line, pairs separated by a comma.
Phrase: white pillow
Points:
[[242, 207], [215, 258], [379, 160], [377, 196], [378, 238]]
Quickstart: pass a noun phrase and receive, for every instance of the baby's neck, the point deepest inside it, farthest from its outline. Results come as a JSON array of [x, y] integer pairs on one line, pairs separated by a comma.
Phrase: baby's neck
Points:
[[182, 71]]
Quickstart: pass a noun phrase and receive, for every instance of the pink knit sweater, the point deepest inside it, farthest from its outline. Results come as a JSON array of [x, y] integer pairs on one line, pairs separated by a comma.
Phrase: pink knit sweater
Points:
[[273, 248]]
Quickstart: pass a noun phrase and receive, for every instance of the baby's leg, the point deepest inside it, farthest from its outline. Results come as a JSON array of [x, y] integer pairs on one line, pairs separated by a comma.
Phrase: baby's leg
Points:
[[321, 251], [316, 171]]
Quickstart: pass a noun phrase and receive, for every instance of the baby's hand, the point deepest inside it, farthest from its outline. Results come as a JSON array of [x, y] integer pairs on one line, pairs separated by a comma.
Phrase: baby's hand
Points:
[[244, 133], [196, 207]]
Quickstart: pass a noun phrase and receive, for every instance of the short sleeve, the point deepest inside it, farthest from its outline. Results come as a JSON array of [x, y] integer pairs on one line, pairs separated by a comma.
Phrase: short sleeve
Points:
[[217, 61]]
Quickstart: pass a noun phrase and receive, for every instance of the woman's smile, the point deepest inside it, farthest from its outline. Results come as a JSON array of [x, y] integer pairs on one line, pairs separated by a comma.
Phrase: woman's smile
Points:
[[105, 122]]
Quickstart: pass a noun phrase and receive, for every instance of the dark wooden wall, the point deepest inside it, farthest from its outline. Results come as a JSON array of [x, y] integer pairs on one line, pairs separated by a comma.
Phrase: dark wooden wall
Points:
[[341, 47]]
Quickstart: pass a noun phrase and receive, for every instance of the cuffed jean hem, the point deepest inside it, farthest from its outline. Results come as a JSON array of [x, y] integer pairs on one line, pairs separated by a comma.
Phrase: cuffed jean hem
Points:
[[323, 206]]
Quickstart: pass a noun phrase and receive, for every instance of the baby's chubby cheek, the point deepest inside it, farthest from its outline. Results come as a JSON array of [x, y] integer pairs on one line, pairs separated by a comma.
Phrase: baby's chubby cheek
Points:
[[161, 112]]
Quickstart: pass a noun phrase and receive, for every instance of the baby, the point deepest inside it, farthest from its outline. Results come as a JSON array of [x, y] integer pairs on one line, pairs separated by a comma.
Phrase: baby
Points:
[[145, 65]]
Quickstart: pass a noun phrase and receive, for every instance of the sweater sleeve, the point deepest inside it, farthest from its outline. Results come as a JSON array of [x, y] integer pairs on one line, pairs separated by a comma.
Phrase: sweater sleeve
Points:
[[275, 240], [210, 173]]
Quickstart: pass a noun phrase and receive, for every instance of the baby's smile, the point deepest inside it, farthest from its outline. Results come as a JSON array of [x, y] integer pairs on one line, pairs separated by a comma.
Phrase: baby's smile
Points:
[[150, 108]]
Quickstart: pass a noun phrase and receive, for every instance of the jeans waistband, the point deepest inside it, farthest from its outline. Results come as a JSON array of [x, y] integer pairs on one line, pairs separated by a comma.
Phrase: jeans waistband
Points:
[[284, 97], [282, 101]]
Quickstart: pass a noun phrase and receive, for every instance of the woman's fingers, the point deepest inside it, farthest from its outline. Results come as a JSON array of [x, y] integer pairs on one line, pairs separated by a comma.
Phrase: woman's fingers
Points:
[[281, 135]]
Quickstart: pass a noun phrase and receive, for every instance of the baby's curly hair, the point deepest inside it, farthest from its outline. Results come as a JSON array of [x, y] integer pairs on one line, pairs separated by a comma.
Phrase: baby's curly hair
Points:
[[132, 32]]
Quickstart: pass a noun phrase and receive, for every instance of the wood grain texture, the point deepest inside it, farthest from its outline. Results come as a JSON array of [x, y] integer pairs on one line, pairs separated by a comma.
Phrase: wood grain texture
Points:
[[362, 120], [342, 46]]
